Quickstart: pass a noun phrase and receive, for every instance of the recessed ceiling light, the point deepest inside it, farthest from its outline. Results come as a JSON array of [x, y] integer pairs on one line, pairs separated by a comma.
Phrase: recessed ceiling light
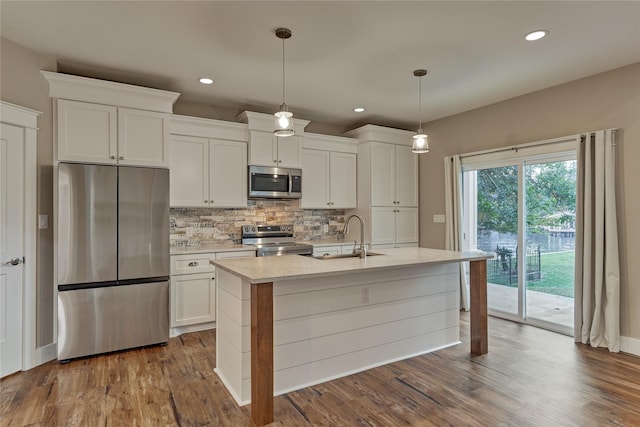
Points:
[[358, 109], [536, 35], [205, 80]]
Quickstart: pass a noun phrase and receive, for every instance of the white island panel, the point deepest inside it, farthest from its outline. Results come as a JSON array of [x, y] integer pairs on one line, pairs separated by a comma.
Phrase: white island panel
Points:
[[330, 326]]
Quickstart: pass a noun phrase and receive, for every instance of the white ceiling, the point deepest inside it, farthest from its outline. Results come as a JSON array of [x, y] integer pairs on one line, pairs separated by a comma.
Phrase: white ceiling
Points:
[[342, 54]]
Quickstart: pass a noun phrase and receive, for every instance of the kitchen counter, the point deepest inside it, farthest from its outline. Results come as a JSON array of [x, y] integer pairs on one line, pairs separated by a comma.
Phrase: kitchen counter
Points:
[[210, 248], [288, 322], [272, 269]]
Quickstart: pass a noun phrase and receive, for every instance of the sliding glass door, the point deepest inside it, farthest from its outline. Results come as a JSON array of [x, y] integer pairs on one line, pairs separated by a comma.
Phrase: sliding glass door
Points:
[[522, 210]]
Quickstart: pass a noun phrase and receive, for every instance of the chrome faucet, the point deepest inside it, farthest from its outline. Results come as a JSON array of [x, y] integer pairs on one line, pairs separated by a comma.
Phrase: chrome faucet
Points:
[[362, 251]]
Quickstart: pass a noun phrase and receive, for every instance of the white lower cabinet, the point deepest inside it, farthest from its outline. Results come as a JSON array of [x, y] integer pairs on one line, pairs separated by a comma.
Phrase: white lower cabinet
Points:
[[193, 299], [194, 291], [394, 227], [327, 250]]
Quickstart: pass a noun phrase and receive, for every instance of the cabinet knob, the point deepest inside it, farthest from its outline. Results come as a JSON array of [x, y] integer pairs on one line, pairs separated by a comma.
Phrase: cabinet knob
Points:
[[275, 161], [279, 161], [121, 157], [193, 264], [206, 201], [113, 157]]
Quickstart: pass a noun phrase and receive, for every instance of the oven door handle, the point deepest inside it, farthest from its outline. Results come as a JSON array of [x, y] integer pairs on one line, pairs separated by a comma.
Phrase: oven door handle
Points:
[[290, 182]]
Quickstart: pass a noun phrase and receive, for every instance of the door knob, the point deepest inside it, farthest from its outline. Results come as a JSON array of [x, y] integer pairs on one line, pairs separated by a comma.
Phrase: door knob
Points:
[[14, 261]]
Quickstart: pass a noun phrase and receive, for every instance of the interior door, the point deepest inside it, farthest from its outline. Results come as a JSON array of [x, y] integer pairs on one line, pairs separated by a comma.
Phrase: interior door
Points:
[[11, 248]]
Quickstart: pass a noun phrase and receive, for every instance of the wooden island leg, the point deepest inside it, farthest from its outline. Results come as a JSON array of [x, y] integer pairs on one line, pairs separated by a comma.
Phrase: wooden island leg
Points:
[[261, 353], [478, 291]]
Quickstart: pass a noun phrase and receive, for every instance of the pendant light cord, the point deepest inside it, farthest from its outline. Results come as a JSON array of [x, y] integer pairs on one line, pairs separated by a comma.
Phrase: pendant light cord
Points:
[[420, 101], [283, 71]]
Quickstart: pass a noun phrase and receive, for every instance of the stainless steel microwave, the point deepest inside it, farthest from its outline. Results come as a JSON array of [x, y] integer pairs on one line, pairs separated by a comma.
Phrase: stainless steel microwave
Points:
[[274, 183]]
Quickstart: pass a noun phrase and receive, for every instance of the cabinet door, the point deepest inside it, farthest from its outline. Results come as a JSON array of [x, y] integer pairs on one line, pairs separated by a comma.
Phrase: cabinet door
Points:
[[87, 132], [143, 138], [327, 250], [407, 225], [383, 228], [189, 171], [193, 299], [343, 180], [227, 174], [406, 177], [315, 179], [262, 148], [289, 152], [383, 173]]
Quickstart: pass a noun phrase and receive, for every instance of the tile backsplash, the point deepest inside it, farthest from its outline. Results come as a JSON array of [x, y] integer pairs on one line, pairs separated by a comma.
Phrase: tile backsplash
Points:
[[195, 226]]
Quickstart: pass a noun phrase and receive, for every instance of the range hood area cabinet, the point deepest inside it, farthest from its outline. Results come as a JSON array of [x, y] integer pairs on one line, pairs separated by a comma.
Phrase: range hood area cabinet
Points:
[[329, 165], [387, 187], [266, 149], [110, 123]]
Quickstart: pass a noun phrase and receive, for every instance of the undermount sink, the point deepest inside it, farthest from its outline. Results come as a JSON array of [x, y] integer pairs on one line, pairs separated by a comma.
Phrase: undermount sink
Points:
[[339, 256]]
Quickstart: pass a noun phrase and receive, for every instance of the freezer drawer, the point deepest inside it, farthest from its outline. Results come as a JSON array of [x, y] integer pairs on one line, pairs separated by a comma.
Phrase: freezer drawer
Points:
[[104, 319]]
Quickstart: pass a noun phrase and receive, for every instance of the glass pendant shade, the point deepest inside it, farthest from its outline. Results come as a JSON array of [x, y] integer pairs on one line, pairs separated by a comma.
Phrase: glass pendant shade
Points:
[[284, 122], [420, 139], [420, 142]]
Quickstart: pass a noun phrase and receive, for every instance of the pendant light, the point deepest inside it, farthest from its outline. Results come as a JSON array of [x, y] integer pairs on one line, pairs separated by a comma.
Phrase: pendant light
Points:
[[284, 119], [420, 139]]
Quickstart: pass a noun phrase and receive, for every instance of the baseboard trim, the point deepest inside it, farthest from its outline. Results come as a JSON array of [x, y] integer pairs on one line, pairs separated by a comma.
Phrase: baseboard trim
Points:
[[630, 345], [179, 330]]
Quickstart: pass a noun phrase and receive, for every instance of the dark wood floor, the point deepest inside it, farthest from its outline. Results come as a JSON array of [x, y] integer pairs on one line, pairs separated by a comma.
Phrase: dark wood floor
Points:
[[530, 377]]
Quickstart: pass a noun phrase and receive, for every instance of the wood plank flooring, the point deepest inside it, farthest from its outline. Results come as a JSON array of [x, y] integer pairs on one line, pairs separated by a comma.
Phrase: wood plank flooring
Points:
[[530, 377]]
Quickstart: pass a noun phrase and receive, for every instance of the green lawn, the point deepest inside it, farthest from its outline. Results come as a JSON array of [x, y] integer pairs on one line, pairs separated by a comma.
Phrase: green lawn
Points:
[[557, 271]]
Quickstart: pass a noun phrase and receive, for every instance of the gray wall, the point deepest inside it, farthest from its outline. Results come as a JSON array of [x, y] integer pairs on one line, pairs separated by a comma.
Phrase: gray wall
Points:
[[607, 100], [21, 83]]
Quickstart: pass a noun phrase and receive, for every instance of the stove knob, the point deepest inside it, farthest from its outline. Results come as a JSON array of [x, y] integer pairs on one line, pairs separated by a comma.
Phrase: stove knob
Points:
[[253, 229]]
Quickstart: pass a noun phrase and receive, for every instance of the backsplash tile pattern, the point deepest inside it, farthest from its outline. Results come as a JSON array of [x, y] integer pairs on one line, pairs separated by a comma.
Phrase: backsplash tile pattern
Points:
[[195, 226]]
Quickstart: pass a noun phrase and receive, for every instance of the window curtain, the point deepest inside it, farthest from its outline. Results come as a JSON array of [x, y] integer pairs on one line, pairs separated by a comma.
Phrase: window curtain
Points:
[[597, 288], [453, 215]]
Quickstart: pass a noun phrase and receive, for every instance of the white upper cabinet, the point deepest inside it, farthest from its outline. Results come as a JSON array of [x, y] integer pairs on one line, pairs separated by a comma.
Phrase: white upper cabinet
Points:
[[143, 138], [87, 132], [96, 133], [394, 175], [227, 174], [189, 171], [208, 172], [316, 172], [329, 172], [343, 180], [110, 123], [406, 176], [265, 149]]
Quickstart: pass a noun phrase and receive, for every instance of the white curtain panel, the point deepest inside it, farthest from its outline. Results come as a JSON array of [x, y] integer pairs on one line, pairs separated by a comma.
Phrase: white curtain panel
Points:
[[597, 288], [453, 215]]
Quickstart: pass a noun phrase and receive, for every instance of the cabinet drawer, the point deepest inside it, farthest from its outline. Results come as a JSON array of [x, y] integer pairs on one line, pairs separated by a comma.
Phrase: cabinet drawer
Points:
[[192, 263], [235, 254]]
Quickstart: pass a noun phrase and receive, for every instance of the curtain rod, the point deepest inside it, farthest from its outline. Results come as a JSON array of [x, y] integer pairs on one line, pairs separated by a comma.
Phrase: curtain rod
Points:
[[521, 146]]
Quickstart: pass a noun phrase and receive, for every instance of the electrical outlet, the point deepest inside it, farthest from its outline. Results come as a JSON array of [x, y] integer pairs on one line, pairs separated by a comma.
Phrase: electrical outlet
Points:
[[43, 222], [365, 295], [438, 218], [325, 228]]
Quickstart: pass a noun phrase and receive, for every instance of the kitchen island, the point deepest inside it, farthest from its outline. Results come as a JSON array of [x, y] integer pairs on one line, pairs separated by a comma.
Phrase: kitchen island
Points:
[[286, 323]]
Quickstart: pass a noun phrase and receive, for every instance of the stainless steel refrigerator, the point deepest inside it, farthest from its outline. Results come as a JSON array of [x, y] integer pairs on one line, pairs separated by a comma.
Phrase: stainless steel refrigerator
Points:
[[113, 258]]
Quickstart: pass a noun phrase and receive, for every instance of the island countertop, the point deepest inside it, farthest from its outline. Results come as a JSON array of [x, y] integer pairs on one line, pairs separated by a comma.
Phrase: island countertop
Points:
[[290, 267]]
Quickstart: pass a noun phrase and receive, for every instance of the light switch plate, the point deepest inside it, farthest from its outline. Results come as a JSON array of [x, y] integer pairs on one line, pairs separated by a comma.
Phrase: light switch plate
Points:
[[43, 222], [438, 218]]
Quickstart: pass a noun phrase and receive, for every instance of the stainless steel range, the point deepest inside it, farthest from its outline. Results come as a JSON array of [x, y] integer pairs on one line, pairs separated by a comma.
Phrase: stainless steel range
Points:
[[274, 240]]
